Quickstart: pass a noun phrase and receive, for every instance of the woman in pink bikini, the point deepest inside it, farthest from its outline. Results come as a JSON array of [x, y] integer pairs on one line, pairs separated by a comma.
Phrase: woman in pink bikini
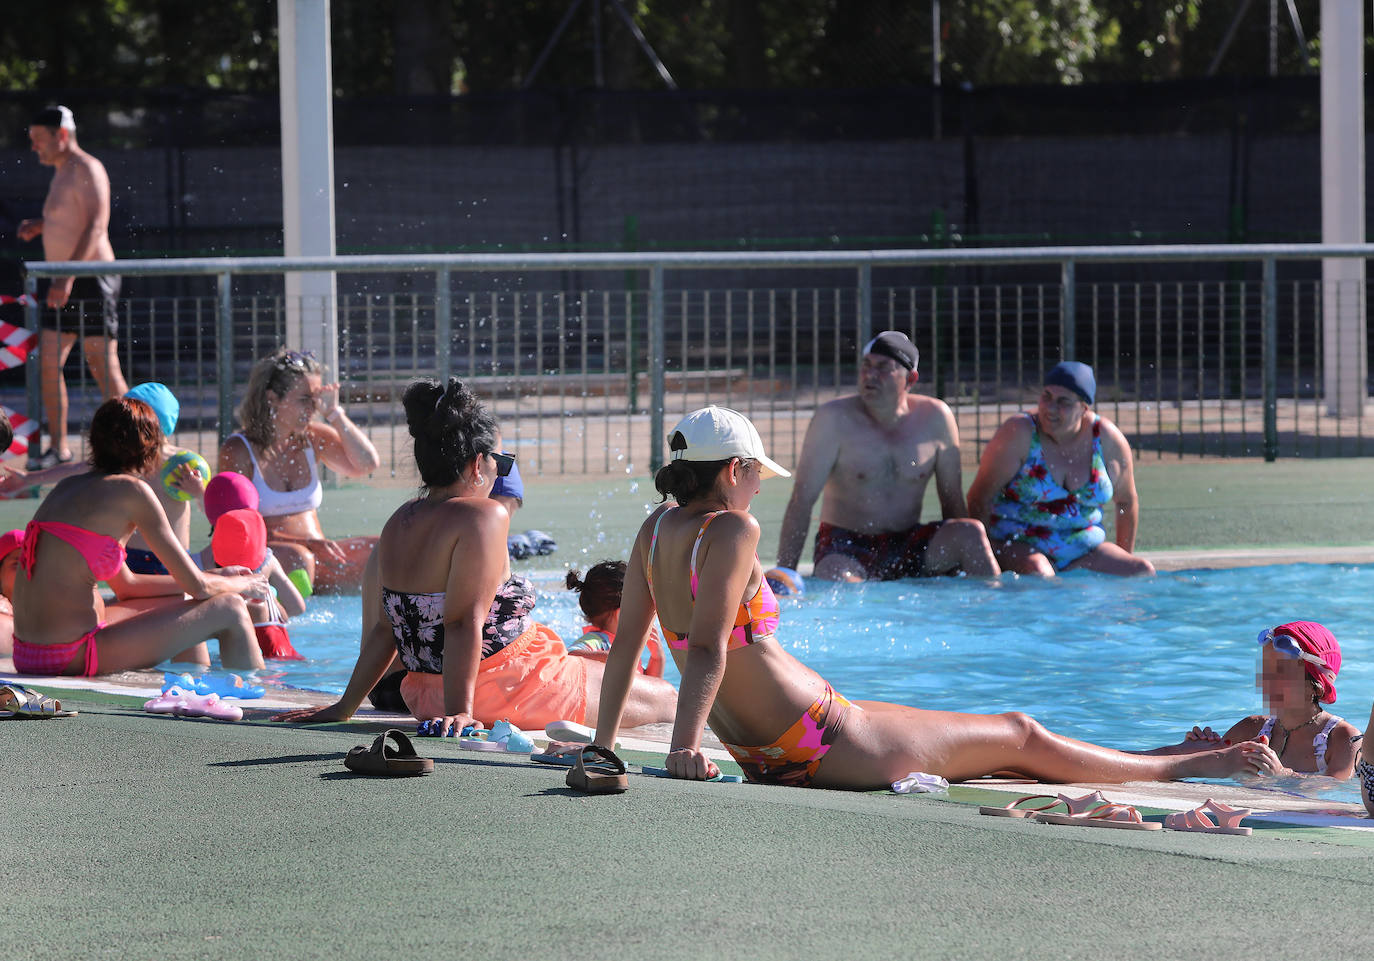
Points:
[[76, 539], [695, 565], [280, 445]]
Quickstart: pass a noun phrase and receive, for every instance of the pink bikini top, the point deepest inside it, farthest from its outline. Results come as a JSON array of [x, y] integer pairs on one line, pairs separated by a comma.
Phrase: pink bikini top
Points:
[[104, 555], [755, 619]]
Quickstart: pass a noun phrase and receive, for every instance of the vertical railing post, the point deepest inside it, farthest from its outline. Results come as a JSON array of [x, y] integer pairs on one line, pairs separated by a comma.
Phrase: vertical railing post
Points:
[[225, 337], [1269, 350], [443, 325], [1068, 311], [657, 353], [33, 389], [865, 317]]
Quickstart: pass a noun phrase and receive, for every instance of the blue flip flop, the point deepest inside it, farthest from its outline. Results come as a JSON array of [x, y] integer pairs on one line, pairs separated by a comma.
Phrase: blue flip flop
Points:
[[718, 779]]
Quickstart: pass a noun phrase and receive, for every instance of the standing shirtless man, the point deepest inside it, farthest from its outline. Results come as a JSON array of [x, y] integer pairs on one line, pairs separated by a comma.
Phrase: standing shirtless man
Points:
[[873, 455], [74, 226]]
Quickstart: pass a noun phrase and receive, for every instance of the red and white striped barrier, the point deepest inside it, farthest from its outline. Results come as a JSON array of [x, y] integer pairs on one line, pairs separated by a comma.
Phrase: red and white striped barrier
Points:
[[25, 429], [16, 343]]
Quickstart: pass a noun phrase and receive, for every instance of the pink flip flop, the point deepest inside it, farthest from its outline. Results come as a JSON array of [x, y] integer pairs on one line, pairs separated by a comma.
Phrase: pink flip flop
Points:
[[1121, 816], [183, 703], [1227, 819], [1015, 810], [1074, 805]]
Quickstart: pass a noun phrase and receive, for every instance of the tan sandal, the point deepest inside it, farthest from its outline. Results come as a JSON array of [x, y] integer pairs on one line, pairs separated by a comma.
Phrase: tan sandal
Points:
[[598, 771]]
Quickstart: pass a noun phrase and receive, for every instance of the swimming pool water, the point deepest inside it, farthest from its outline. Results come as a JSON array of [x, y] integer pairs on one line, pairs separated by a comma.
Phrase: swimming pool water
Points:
[[1132, 664]]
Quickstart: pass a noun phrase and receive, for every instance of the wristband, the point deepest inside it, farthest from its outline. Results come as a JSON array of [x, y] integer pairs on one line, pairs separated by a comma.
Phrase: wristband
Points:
[[338, 411]]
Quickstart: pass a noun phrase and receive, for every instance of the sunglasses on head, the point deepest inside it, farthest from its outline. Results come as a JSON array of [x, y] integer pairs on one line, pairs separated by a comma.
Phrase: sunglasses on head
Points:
[[296, 360], [1288, 647], [504, 462]]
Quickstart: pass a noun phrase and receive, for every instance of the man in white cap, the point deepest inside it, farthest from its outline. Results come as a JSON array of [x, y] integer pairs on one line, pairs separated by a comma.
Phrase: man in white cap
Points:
[[873, 455], [74, 226]]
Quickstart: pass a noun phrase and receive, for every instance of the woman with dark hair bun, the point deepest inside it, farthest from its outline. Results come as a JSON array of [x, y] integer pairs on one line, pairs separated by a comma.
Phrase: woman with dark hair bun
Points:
[[439, 592], [76, 539]]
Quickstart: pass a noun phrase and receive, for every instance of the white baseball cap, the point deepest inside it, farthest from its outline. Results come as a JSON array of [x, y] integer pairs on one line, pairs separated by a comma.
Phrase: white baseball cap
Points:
[[719, 433]]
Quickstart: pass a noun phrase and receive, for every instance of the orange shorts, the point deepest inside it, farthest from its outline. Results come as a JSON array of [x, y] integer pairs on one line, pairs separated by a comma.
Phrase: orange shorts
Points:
[[530, 682]]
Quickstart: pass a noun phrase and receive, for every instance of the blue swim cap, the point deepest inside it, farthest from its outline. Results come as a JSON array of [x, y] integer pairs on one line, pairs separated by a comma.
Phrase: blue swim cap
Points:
[[163, 402], [1074, 376]]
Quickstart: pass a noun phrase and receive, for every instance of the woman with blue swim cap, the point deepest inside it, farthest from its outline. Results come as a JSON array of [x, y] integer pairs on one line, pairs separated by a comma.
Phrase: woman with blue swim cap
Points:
[[1045, 477]]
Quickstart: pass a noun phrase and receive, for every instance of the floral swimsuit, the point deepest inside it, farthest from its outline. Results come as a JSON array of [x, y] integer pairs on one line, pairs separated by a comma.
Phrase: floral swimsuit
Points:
[[1036, 510]]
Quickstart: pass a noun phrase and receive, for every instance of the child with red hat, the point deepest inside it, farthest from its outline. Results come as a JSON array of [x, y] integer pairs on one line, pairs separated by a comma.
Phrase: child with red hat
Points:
[[238, 538], [1299, 662]]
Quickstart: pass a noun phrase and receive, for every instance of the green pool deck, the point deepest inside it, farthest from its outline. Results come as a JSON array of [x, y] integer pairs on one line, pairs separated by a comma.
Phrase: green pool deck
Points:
[[130, 835]]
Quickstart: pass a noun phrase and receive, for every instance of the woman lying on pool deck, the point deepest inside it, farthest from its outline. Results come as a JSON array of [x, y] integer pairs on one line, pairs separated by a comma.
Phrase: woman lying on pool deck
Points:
[[695, 564]]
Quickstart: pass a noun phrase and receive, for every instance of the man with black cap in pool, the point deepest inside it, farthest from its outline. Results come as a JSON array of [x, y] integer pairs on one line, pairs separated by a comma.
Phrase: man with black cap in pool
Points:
[[873, 455], [74, 226]]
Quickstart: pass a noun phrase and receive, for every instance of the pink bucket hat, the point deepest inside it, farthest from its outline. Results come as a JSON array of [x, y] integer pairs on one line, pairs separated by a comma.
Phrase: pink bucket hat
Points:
[[229, 491], [1318, 641]]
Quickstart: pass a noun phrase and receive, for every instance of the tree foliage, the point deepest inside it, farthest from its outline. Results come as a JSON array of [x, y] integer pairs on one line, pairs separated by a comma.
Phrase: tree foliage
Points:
[[451, 46]]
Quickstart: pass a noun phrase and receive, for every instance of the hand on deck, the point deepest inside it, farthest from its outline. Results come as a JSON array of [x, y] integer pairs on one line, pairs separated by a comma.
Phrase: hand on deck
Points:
[[313, 715], [691, 765]]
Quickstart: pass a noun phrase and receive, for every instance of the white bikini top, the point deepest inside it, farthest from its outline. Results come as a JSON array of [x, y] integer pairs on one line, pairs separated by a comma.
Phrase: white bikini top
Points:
[[1318, 742], [275, 503]]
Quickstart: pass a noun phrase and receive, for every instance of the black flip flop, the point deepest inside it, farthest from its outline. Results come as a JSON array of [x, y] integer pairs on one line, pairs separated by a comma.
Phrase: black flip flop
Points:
[[382, 761], [598, 771]]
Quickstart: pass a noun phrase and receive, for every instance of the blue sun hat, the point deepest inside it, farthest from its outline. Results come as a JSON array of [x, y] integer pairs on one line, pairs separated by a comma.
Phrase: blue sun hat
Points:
[[163, 402]]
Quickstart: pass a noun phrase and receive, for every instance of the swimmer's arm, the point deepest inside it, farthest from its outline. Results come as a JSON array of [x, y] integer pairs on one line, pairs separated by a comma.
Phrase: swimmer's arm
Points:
[[1121, 469], [1342, 750], [656, 656], [287, 596], [1002, 458], [374, 658], [1205, 739], [636, 619], [477, 568], [343, 446], [819, 453], [150, 522], [949, 475]]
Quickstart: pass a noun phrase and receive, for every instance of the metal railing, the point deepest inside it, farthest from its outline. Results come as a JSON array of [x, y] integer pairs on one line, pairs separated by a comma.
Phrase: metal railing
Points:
[[586, 356]]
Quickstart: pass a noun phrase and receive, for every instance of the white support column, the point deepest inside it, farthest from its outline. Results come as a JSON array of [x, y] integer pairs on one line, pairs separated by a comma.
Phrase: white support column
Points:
[[1343, 193], [307, 171]]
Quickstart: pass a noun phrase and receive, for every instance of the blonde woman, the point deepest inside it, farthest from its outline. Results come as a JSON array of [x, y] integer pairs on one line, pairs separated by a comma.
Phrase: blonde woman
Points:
[[289, 423]]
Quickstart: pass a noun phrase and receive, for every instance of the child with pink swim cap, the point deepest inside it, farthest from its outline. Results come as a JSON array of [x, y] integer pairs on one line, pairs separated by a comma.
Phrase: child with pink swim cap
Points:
[[239, 538], [1299, 662]]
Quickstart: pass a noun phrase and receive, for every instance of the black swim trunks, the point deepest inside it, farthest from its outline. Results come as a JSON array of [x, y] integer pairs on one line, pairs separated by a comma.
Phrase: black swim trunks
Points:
[[887, 556], [90, 311]]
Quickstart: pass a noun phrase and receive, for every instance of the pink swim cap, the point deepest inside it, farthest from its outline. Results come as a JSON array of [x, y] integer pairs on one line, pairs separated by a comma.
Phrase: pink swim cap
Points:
[[11, 541], [1315, 639], [229, 491], [240, 539]]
